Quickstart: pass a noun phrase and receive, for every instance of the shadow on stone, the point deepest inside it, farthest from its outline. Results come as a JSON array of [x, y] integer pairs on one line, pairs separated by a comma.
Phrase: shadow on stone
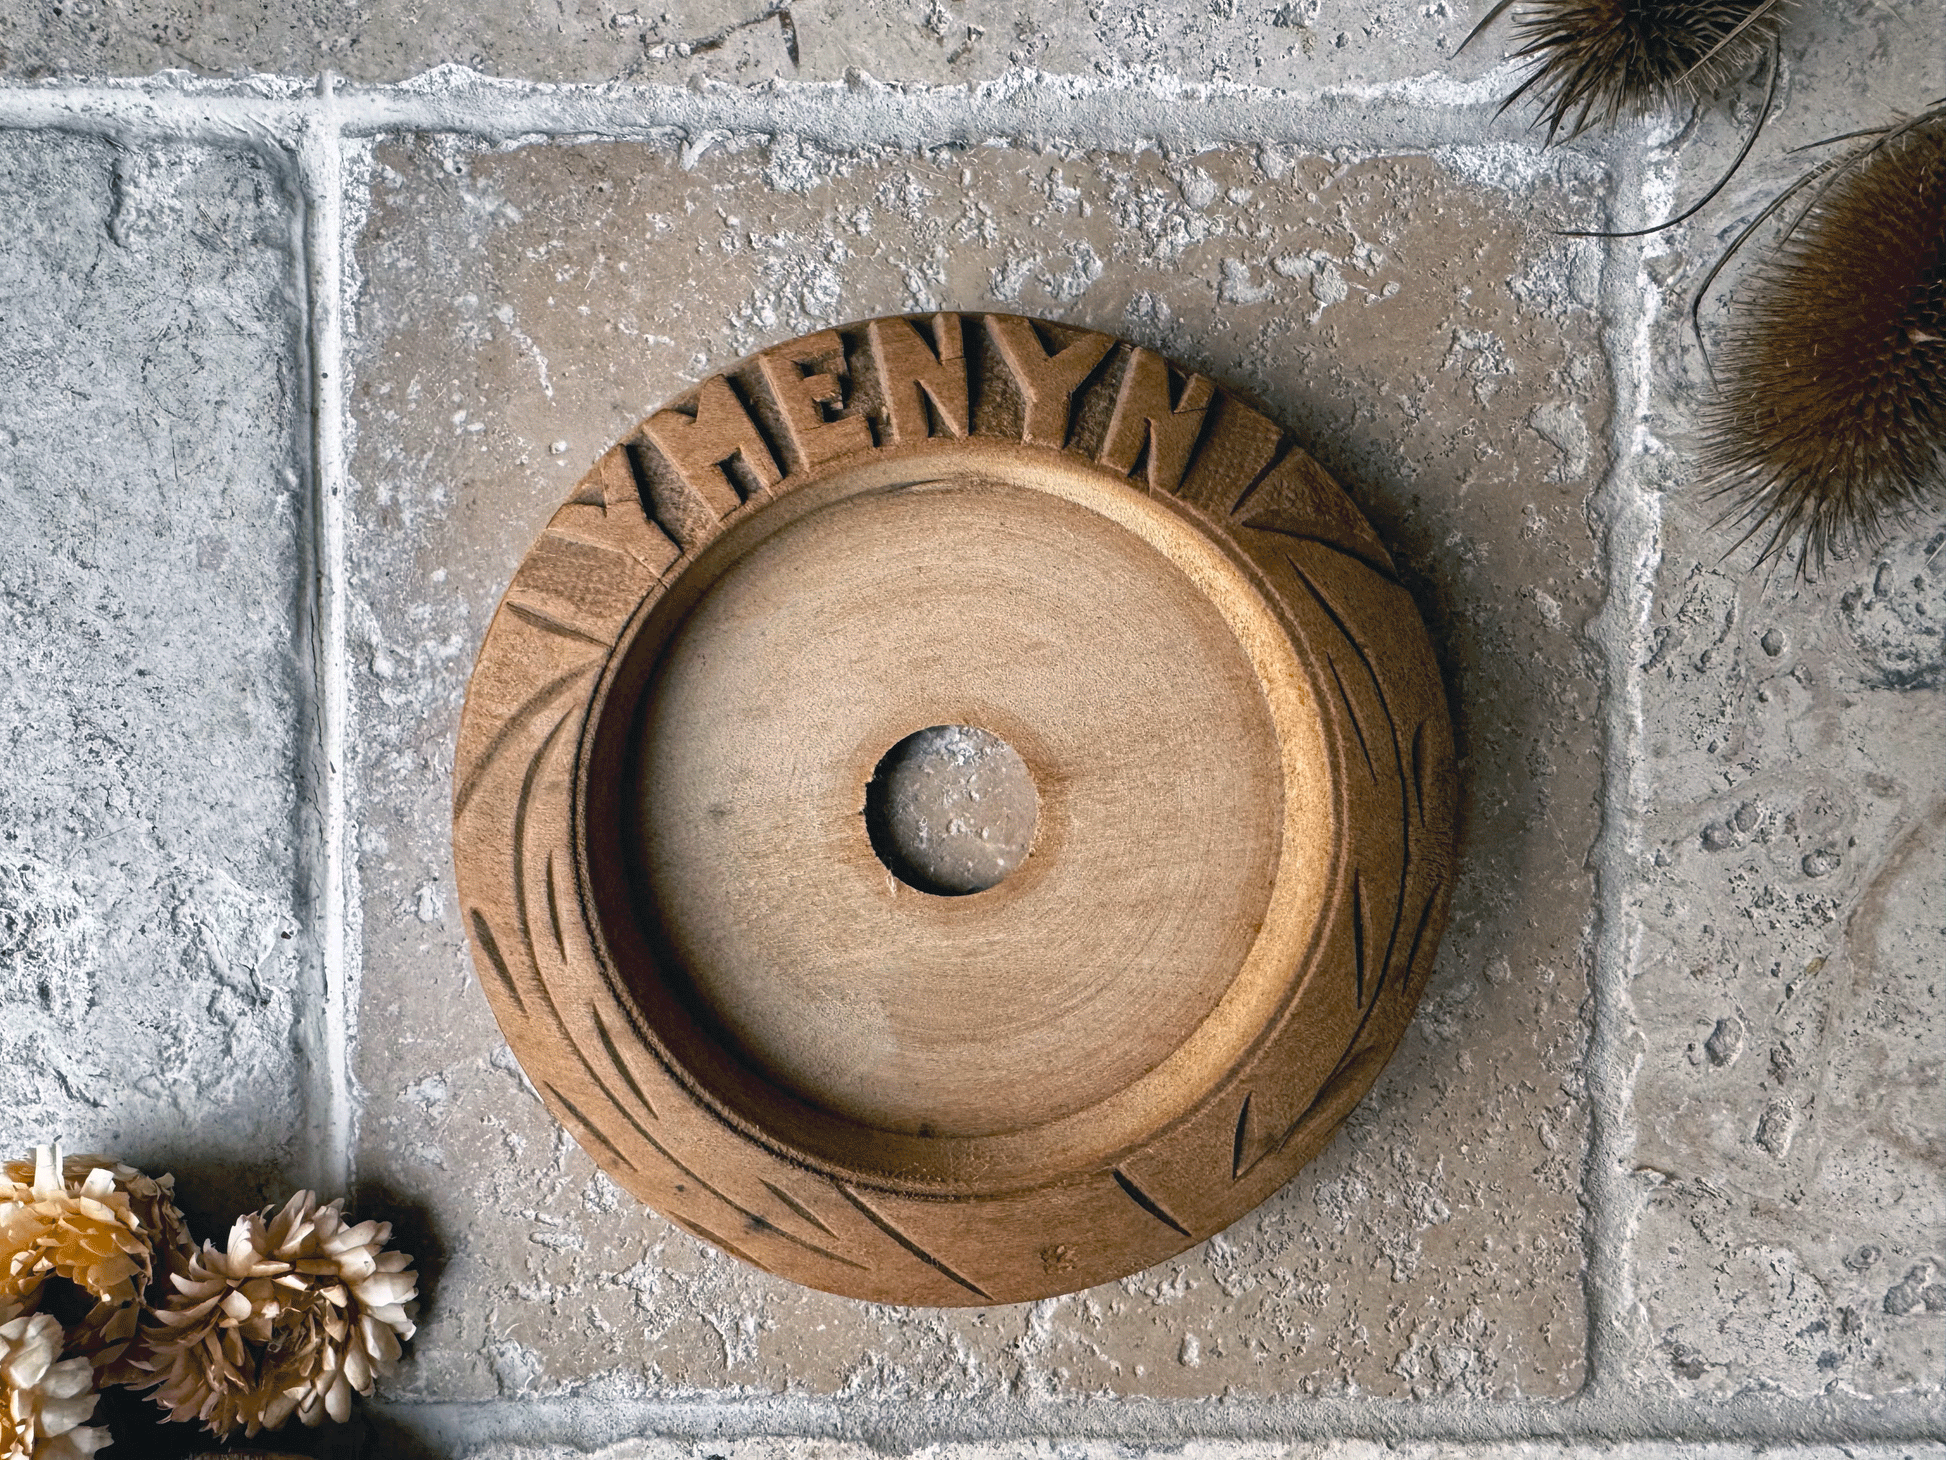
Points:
[[383, 1437], [415, 1231], [214, 1192], [140, 1427]]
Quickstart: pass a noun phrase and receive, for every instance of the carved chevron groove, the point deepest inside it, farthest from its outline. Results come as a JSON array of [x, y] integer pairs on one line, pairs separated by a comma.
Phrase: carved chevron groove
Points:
[[1239, 1141], [554, 911], [1398, 755], [548, 624], [1351, 713], [797, 1206], [523, 810], [515, 724], [879, 1221], [489, 946], [621, 1065], [1148, 1203]]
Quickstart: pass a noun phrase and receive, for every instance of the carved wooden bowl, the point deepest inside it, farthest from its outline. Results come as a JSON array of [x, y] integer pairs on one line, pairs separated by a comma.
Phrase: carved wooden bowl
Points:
[[1241, 810]]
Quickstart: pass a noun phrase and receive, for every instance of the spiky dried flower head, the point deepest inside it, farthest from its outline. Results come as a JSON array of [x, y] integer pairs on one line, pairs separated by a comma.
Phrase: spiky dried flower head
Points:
[[295, 1314], [46, 1397], [1828, 426], [94, 1222], [1596, 61]]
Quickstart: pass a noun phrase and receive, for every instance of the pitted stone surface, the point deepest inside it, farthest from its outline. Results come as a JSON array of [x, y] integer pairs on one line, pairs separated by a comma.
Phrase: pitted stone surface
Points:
[[156, 959], [519, 310], [1791, 882], [1794, 901], [952, 809], [1308, 42]]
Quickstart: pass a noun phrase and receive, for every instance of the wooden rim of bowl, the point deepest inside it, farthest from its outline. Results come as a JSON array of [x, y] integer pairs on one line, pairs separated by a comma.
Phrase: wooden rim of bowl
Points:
[[1200, 653]]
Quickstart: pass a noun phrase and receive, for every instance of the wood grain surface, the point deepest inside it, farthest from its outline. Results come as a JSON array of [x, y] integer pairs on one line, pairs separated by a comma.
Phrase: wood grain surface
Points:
[[1239, 872]]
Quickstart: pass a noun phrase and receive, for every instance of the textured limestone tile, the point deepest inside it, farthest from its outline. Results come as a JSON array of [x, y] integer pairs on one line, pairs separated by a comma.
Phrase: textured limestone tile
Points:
[[153, 958], [1791, 1146], [1437, 345], [1288, 43], [1301, 42], [583, 40]]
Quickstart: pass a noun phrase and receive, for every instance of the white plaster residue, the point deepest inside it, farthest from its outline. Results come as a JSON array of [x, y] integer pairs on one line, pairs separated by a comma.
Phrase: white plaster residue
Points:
[[1084, 267], [1006, 279], [1480, 355], [429, 1094], [1197, 187], [228, 934], [148, 196], [517, 1367], [1550, 610], [1561, 425], [50, 942], [1238, 287], [427, 906], [1327, 281], [505, 314]]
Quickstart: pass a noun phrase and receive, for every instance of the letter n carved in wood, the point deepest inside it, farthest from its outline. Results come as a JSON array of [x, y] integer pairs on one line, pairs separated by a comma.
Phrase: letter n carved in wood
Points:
[[910, 374], [1143, 410]]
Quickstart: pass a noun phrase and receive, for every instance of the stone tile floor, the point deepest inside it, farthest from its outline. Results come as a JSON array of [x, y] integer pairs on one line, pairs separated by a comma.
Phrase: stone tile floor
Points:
[[293, 376], [474, 354]]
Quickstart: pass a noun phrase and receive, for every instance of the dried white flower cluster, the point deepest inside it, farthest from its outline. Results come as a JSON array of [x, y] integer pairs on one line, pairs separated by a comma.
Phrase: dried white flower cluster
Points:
[[99, 1224], [46, 1400], [296, 1313]]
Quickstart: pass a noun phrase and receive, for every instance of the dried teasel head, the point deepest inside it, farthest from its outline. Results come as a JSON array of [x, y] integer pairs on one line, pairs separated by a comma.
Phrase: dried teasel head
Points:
[[43, 1397], [293, 1316], [1596, 61], [1828, 425], [94, 1222]]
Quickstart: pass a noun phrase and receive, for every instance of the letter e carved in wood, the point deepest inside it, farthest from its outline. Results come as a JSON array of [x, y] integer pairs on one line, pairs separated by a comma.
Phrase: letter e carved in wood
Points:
[[804, 378]]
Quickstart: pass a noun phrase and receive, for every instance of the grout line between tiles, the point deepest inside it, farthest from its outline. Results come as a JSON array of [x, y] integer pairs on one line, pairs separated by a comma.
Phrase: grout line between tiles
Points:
[[1118, 113], [1626, 518], [1763, 1420], [321, 180]]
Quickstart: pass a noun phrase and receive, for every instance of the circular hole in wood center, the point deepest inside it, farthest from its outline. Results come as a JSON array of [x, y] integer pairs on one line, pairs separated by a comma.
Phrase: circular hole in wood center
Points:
[[845, 1006], [951, 810]]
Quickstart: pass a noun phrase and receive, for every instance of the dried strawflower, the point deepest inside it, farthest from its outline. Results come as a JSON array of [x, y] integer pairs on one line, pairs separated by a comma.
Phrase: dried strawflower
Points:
[[47, 1397], [1829, 422], [299, 1311], [98, 1224]]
